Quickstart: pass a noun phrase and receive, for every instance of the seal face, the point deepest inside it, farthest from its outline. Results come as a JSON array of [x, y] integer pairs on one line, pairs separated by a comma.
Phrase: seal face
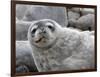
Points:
[[42, 33]]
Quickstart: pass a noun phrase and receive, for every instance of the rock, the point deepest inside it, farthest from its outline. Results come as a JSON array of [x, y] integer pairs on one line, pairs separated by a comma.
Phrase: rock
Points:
[[73, 13], [20, 10], [24, 59], [85, 11], [47, 12], [22, 69], [85, 22], [22, 29]]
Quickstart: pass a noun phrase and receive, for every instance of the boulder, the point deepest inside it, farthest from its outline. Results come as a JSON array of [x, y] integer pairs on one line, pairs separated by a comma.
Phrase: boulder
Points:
[[24, 59]]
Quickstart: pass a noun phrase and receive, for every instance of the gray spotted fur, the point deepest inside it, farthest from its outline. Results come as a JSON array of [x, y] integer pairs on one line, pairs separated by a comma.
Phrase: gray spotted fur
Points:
[[72, 50]]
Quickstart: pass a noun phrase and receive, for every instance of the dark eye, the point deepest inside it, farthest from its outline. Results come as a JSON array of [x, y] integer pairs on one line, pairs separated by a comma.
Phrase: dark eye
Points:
[[50, 27], [34, 30]]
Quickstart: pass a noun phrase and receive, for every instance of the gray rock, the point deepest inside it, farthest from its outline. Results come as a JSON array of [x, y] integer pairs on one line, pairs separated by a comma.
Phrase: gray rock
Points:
[[73, 13], [86, 22], [20, 10], [85, 11], [24, 59], [22, 69], [22, 29], [47, 12]]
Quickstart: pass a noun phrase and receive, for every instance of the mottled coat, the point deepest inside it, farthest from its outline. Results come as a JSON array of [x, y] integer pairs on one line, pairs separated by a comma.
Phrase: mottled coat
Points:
[[72, 50]]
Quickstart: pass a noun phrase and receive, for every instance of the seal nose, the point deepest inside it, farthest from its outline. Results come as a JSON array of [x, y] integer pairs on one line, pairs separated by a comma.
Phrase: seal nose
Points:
[[43, 30]]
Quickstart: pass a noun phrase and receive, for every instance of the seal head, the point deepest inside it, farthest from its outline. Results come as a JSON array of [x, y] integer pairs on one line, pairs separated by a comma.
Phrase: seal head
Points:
[[43, 33]]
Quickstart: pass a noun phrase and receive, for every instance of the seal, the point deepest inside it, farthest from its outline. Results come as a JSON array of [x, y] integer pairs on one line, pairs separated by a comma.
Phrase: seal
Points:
[[56, 48]]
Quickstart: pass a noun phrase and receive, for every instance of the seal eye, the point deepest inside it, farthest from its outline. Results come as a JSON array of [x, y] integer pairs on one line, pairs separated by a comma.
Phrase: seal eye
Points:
[[50, 27], [33, 31]]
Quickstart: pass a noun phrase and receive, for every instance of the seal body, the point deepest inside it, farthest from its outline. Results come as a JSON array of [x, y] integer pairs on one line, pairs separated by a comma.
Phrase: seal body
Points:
[[56, 48]]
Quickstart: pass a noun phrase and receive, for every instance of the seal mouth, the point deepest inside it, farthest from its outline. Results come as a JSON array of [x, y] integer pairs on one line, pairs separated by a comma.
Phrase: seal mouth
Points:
[[37, 41]]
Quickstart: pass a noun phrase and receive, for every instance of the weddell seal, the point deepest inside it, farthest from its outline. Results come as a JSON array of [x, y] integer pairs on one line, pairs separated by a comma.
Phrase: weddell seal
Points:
[[56, 48]]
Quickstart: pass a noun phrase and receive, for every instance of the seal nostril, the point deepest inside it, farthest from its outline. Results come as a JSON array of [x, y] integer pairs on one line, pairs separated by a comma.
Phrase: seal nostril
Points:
[[44, 31]]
